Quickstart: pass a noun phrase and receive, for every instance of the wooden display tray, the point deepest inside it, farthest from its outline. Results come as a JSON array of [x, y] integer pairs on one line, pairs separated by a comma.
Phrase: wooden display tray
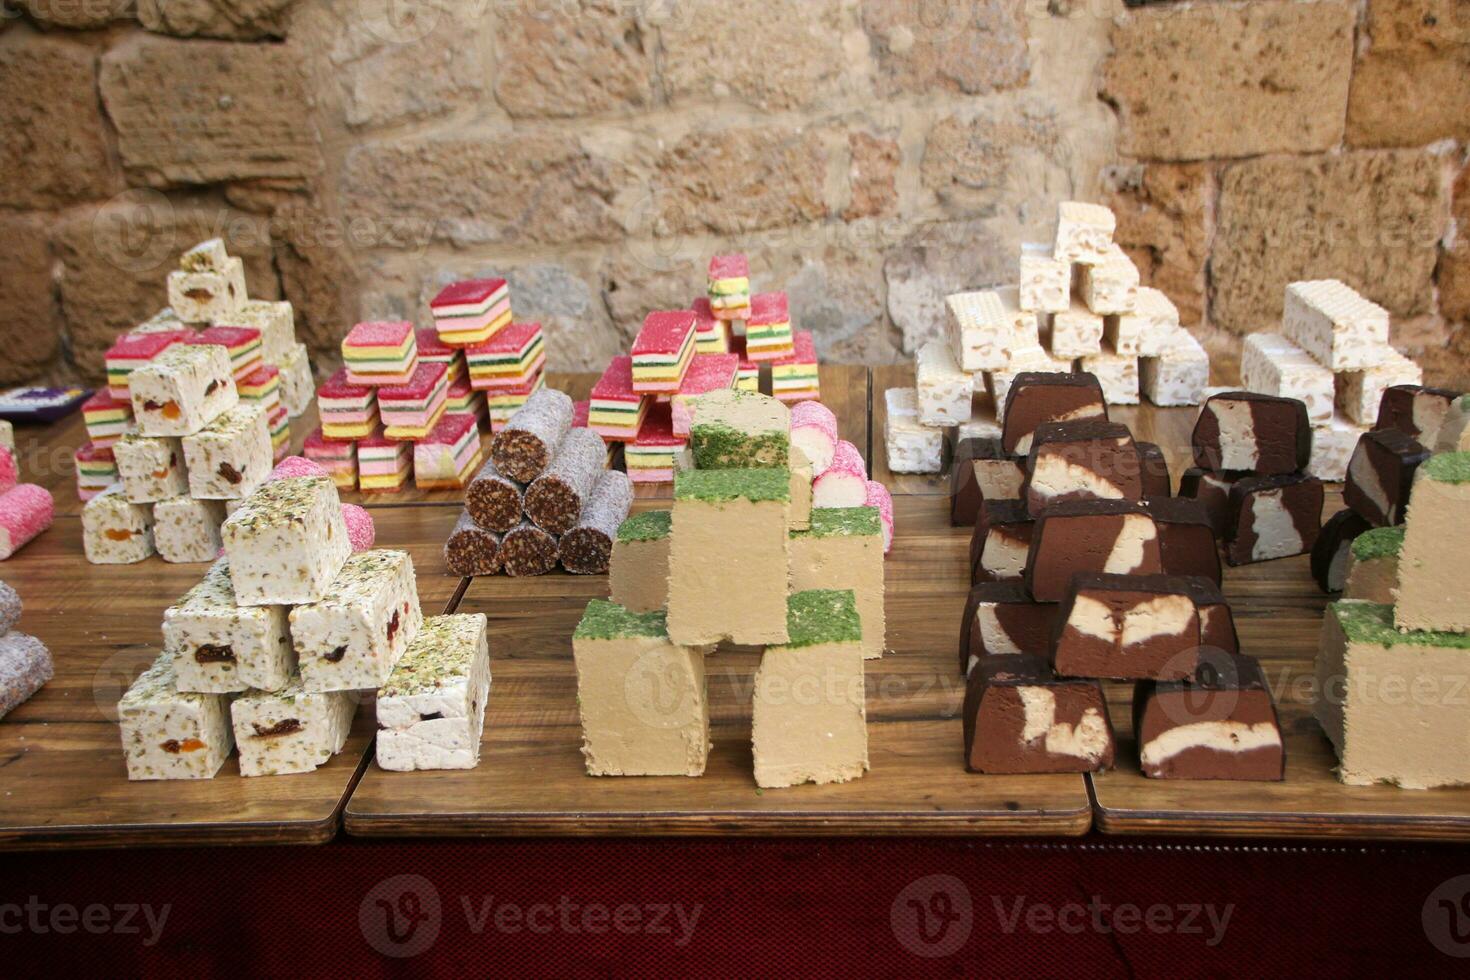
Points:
[[531, 778]]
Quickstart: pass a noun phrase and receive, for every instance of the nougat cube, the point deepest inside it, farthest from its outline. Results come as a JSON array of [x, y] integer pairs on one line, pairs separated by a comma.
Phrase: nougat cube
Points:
[[1110, 287], [170, 734], [186, 530], [984, 326], [151, 468], [276, 322], [1359, 392], [809, 708], [290, 730], [734, 429], [1273, 365], [1117, 373], [1146, 329], [912, 447], [1179, 374], [209, 294], [641, 697], [1046, 281], [208, 256], [286, 542], [1084, 232], [729, 557], [116, 531], [1075, 331], [1391, 700], [431, 710], [221, 647], [843, 549], [350, 639], [298, 385], [1332, 448], [944, 390], [1434, 591], [638, 576], [1328, 319], [182, 390], [230, 456]]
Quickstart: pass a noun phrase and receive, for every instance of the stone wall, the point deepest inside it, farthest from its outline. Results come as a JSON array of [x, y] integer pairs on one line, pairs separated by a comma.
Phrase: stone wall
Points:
[[870, 156]]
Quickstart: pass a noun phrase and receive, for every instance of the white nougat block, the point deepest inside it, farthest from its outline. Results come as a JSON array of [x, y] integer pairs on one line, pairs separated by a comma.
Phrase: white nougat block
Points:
[[1075, 332], [276, 322], [1360, 391], [1110, 287], [943, 388], [1179, 375], [1334, 324], [182, 390], [353, 636], [1084, 232], [116, 531], [208, 256], [186, 530], [431, 710], [290, 730], [912, 447], [231, 456], [1046, 281], [298, 386], [1117, 374], [286, 542], [1146, 329], [985, 326], [1332, 448], [208, 295], [221, 647], [172, 734], [151, 467], [1272, 365]]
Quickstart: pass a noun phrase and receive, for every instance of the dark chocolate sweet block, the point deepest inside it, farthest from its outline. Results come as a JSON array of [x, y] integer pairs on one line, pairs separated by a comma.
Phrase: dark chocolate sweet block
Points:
[[1117, 536], [1186, 537], [1212, 490], [1126, 627], [982, 471], [1019, 717], [1254, 433], [1332, 552], [1216, 621], [1088, 460], [1001, 541], [1415, 411], [1000, 617], [1220, 725], [1273, 517], [1381, 474], [1155, 470], [1038, 396]]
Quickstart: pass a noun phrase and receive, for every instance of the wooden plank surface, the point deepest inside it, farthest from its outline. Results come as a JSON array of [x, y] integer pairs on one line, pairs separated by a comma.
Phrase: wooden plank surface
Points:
[[61, 762], [531, 778]]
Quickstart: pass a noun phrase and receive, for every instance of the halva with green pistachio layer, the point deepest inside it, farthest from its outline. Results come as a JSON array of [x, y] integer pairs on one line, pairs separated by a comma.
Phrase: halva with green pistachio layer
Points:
[[737, 429], [638, 576], [641, 697], [286, 542], [843, 549], [431, 710], [1433, 590], [290, 730], [351, 639], [809, 716], [170, 734], [1373, 569], [219, 646]]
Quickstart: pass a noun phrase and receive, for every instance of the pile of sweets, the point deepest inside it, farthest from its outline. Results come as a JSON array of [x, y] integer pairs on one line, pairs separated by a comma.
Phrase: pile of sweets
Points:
[[1404, 626], [25, 663], [544, 496], [1332, 353], [207, 305], [1084, 568], [1250, 471], [269, 653], [1077, 307], [642, 400], [25, 508], [778, 513], [1412, 423]]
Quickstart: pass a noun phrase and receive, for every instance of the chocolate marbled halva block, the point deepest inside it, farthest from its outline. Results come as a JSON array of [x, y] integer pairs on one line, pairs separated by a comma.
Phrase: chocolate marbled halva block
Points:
[[1213, 491], [1088, 460], [1416, 411], [1216, 621], [1035, 397], [1002, 618], [1220, 724], [1127, 627], [1381, 474], [1186, 537], [1154, 470], [982, 471], [1114, 536], [1001, 541], [1333, 550], [1253, 433], [1019, 717], [1273, 517]]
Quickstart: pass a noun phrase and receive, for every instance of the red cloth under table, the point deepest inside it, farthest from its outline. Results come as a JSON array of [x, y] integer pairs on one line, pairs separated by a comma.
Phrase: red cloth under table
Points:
[[734, 907]]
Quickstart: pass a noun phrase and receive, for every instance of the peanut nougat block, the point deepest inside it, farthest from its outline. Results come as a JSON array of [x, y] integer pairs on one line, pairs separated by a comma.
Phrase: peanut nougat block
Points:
[[809, 713], [431, 711], [172, 734], [641, 696]]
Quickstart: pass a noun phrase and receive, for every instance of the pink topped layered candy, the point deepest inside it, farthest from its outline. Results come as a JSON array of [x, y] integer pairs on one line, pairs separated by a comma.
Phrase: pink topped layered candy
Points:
[[410, 410], [616, 411], [380, 352], [729, 286], [338, 457], [509, 358], [469, 312], [656, 453], [711, 334], [382, 463], [431, 348], [449, 455], [243, 345], [662, 351], [349, 411]]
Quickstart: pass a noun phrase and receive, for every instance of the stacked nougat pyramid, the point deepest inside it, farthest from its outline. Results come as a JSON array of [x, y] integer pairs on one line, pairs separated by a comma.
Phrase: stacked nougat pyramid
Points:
[[1391, 671], [271, 652], [742, 557], [1077, 306], [1332, 353]]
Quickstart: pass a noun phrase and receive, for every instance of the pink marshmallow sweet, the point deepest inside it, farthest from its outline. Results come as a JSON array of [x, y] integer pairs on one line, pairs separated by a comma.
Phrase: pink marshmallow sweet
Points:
[[25, 511], [9, 472], [879, 497], [294, 466], [360, 529], [844, 483], [814, 431]]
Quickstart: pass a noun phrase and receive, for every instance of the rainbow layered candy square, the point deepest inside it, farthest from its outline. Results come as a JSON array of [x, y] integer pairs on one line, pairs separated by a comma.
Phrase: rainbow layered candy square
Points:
[[348, 411], [243, 344], [132, 351], [449, 455], [768, 328], [729, 286], [711, 334], [662, 351], [794, 377], [657, 453], [469, 312], [107, 418], [509, 359], [502, 403], [380, 353], [383, 464], [615, 411], [436, 351], [410, 410], [337, 456]]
